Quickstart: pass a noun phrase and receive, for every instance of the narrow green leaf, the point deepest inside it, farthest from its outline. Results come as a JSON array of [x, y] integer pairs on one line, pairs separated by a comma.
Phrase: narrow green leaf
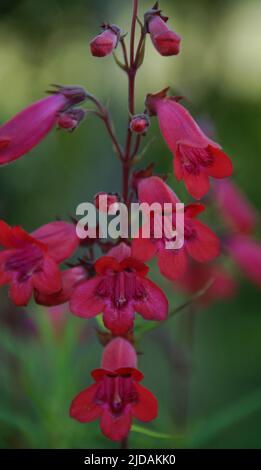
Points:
[[157, 435], [27, 428], [99, 319], [209, 428]]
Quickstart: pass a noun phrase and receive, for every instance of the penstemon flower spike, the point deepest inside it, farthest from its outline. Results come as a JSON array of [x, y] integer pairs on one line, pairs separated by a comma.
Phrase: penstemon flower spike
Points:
[[114, 285]]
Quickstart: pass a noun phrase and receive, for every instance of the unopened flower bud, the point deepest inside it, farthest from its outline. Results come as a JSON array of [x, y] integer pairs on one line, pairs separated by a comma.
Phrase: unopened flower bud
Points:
[[103, 44], [140, 124], [103, 201], [140, 175], [73, 93], [71, 119], [165, 41]]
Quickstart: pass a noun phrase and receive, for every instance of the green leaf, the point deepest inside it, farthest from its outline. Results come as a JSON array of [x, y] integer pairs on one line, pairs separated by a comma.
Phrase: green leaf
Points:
[[212, 426], [147, 432], [27, 428], [99, 319], [139, 157]]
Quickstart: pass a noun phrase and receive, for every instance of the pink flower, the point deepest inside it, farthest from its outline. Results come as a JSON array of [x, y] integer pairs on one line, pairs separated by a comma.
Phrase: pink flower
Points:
[[119, 289], [71, 278], [140, 124], [71, 119], [30, 262], [27, 128], [196, 157], [235, 208], [104, 44], [165, 41], [116, 397], [197, 277], [199, 241], [246, 253]]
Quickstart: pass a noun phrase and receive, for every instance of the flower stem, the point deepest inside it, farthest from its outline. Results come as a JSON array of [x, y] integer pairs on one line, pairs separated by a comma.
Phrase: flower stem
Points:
[[133, 30], [132, 71], [103, 114], [125, 54], [124, 443]]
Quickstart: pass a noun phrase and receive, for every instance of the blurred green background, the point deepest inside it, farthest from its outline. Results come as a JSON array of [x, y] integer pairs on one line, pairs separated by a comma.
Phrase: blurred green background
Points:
[[204, 367]]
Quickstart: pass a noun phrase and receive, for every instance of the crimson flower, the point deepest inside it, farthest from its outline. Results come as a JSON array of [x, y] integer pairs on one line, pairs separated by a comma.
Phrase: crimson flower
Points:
[[234, 207], [119, 289], [30, 262], [199, 241], [104, 44], [27, 128], [196, 157], [246, 253], [223, 285], [71, 278], [165, 41], [116, 397]]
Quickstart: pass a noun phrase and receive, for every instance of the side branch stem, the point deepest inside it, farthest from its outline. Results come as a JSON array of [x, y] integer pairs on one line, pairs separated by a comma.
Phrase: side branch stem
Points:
[[103, 114]]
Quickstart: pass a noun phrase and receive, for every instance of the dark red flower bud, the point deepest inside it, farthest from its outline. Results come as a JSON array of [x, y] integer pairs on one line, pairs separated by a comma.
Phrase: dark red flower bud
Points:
[[140, 175], [104, 201], [71, 119], [140, 124], [103, 44], [166, 42]]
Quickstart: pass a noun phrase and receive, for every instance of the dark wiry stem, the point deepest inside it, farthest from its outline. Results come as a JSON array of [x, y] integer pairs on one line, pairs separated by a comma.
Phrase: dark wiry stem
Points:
[[103, 113], [133, 30], [125, 54], [131, 79]]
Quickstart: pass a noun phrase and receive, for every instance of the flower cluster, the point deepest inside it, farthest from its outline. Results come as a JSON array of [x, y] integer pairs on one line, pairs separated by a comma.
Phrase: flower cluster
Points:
[[116, 283]]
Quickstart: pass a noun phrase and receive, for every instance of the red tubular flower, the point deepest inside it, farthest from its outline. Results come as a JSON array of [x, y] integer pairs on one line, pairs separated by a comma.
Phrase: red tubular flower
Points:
[[246, 253], [71, 119], [30, 262], [165, 41], [25, 130], [198, 275], [140, 124], [71, 278], [104, 44], [119, 289], [235, 208], [196, 157], [199, 241], [116, 397]]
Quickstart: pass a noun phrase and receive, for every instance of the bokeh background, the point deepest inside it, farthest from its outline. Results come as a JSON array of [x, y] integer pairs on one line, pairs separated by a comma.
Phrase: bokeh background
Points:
[[204, 366]]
